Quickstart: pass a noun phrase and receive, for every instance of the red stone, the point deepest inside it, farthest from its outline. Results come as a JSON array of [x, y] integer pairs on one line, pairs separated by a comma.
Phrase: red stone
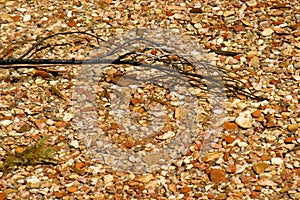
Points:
[[254, 194], [297, 33], [256, 113], [210, 196], [198, 195], [169, 13], [229, 126], [297, 171], [114, 126], [257, 188], [185, 190], [217, 176], [231, 168], [128, 144], [290, 139], [72, 189], [59, 194], [239, 28], [42, 73], [72, 23], [3, 196], [226, 156], [229, 139]]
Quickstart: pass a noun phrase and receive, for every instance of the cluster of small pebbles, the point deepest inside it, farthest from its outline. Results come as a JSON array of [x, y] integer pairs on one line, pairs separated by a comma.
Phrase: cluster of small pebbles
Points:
[[255, 156]]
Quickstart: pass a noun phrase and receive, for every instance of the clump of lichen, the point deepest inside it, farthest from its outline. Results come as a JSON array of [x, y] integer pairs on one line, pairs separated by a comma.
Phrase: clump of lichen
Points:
[[39, 153]]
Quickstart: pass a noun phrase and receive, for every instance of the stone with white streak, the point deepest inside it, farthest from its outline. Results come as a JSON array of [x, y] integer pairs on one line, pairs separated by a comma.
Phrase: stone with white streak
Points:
[[166, 135]]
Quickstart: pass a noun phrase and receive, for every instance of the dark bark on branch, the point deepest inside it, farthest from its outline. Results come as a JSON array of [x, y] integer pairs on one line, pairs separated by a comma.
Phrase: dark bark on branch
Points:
[[131, 58]]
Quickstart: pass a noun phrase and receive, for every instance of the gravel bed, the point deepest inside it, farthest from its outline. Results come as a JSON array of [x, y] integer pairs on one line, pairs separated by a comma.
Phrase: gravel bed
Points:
[[255, 155]]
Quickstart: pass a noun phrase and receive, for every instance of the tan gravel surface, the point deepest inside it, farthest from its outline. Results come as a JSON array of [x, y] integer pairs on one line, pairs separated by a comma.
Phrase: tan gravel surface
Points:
[[257, 155]]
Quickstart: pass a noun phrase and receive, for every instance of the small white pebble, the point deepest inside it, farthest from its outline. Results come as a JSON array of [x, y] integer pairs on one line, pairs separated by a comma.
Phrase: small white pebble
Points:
[[296, 164], [69, 14], [289, 97], [49, 122], [172, 197], [271, 138], [94, 181], [288, 165], [240, 168], [277, 161], [5, 122], [67, 117], [164, 173], [242, 144], [180, 196], [26, 18], [267, 32], [75, 144]]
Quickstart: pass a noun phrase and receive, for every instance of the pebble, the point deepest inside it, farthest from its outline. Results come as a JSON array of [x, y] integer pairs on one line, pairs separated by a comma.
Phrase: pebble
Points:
[[26, 18], [266, 182], [267, 32], [172, 187], [50, 122], [271, 138], [297, 17], [296, 76], [230, 126], [229, 139], [293, 127], [217, 176], [260, 167], [3, 195], [178, 113], [240, 168], [242, 144], [42, 73], [108, 179], [254, 62], [67, 117], [244, 120], [10, 3], [75, 144], [251, 54], [72, 189], [289, 139], [212, 156], [202, 31], [228, 13], [4, 73], [166, 135], [145, 178], [59, 194], [280, 31], [276, 161], [5, 122], [33, 182], [241, 105], [251, 3], [256, 113]]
